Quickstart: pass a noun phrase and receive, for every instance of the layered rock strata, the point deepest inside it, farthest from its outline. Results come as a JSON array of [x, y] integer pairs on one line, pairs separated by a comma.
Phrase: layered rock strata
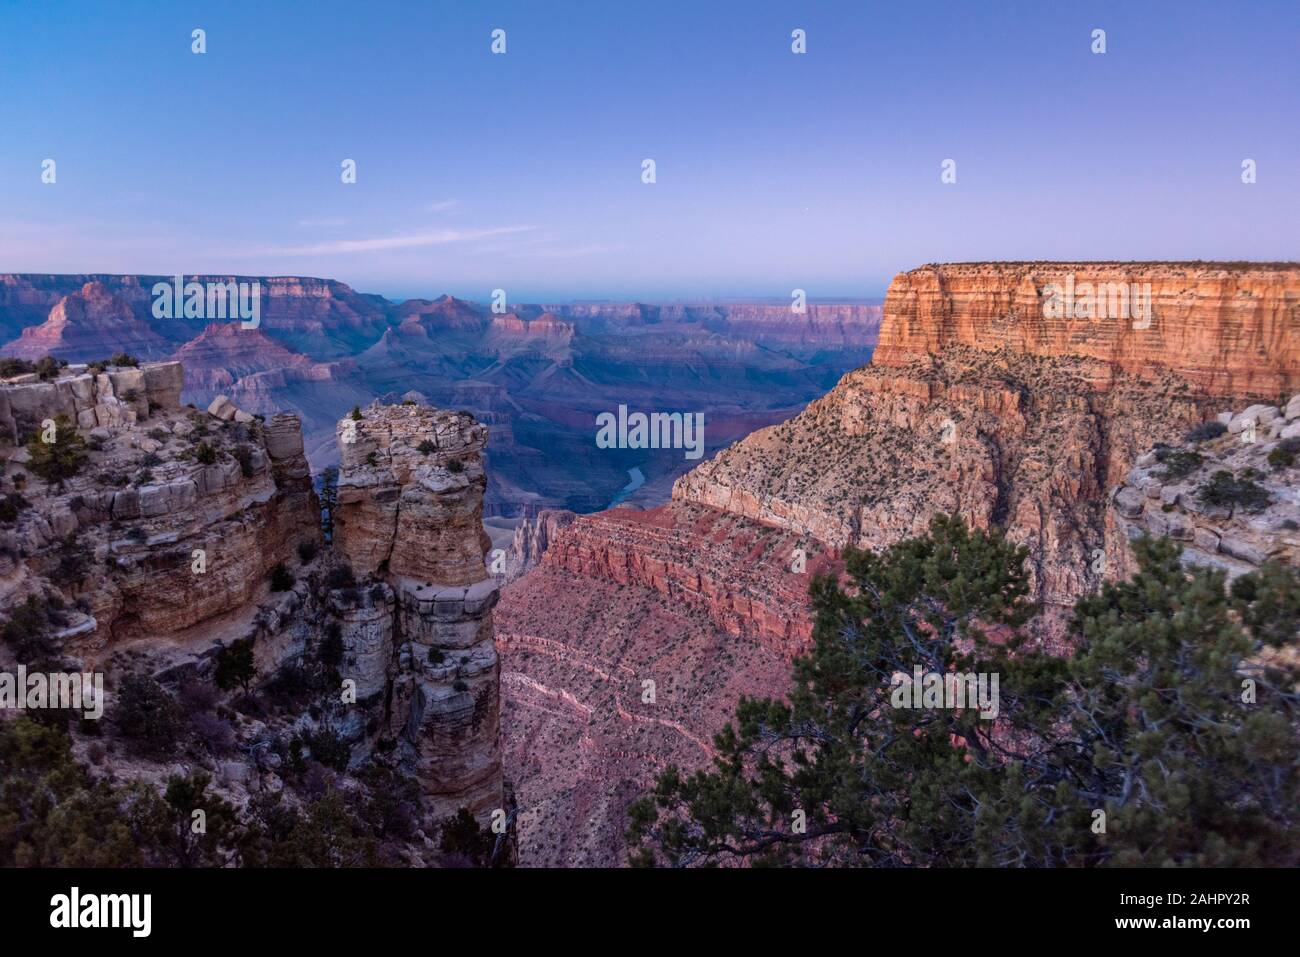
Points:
[[175, 520], [627, 648], [977, 402], [751, 580], [410, 506], [186, 531], [115, 396], [1227, 329]]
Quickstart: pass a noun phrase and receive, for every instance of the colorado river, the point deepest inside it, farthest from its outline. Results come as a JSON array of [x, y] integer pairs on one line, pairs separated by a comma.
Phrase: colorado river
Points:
[[638, 480]]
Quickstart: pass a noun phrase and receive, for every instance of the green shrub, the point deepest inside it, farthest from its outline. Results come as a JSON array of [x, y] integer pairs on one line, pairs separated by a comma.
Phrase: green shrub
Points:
[[74, 560], [50, 367], [27, 631], [11, 505], [306, 552], [281, 580], [1283, 455], [1180, 464], [147, 715], [235, 665], [330, 651], [341, 576], [1226, 489], [1206, 431], [205, 454], [455, 466], [60, 460], [12, 367], [425, 447], [328, 747], [465, 844]]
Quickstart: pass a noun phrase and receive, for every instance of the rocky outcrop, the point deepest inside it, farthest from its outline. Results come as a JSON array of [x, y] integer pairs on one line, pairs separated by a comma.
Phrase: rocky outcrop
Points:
[[177, 516], [225, 356], [1227, 329], [531, 539], [115, 396], [1015, 441], [410, 508], [187, 531], [750, 579], [1231, 500], [977, 403], [410, 494]]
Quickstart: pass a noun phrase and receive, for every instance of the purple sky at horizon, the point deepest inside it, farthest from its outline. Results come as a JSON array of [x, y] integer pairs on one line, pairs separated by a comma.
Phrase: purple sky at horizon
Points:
[[522, 171]]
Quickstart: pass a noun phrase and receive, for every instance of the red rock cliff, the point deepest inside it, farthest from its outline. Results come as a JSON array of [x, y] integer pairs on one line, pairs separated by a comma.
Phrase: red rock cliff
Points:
[[1229, 329]]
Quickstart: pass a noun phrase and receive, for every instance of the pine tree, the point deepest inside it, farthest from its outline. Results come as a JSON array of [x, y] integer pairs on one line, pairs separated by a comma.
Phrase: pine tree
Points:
[[235, 667], [61, 459], [1146, 725]]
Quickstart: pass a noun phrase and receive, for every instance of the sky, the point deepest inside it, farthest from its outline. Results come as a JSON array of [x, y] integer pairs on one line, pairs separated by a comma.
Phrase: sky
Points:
[[523, 171]]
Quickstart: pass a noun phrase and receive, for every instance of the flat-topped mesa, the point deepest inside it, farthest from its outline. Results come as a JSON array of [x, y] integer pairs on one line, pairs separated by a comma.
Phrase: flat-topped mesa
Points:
[[1230, 329], [410, 511], [986, 400]]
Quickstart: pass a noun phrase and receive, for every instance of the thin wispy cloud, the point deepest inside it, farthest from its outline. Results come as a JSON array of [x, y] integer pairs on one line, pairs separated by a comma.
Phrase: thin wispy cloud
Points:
[[565, 252], [443, 205], [328, 222], [440, 237]]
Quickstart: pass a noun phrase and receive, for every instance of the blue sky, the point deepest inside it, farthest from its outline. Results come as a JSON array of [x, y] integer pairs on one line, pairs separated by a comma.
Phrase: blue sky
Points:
[[523, 171]]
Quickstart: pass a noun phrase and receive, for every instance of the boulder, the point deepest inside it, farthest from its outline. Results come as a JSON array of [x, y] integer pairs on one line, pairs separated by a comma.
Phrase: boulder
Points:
[[222, 408], [1129, 501], [163, 382]]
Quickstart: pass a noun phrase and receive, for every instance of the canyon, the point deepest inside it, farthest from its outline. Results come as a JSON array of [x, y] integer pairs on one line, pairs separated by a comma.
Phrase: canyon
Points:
[[548, 683], [975, 402], [536, 375]]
